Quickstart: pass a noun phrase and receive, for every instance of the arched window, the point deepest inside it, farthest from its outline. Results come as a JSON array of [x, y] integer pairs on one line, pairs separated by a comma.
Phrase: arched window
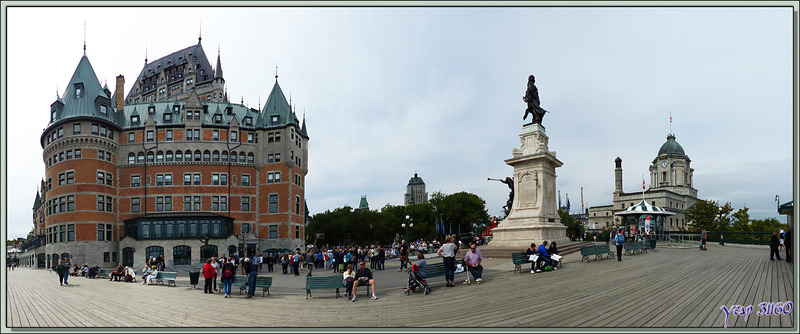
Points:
[[250, 158], [178, 156], [224, 156], [150, 157], [187, 156], [181, 255], [233, 156], [169, 156], [160, 156], [197, 155], [140, 157], [215, 156], [207, 155], [127, 256], [241, 157], [131, 158], [206, 252], [153, 251]]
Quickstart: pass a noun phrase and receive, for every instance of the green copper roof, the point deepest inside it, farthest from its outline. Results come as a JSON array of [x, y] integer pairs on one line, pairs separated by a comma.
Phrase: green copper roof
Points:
[[84, 96], [786, 208], [276, 105], [671, 147], [363, 205], [415, 180]]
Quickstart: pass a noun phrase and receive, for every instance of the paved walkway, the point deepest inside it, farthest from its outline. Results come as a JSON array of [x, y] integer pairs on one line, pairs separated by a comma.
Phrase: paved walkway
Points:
[[668, 288]]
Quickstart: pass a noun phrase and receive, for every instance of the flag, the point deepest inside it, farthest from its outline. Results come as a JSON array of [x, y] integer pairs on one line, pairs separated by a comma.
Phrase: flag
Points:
[[642, 182], [567, 202], [559, 199]]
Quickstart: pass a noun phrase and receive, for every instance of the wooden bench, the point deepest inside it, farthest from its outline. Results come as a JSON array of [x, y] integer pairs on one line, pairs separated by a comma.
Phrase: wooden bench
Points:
[[598, 250], [103, 273], [166, 276], [632, 247], [437, 269], [519, 259], [323, 282]]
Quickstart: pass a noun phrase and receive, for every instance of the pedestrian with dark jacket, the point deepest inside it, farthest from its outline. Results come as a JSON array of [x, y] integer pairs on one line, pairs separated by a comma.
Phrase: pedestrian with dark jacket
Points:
[[228, 274], [61, 270], [788, 243], [251, 270], [773, 247]]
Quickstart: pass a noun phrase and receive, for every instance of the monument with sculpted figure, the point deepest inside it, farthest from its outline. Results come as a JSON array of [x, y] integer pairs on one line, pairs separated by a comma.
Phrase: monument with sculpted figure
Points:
[[533, 216]]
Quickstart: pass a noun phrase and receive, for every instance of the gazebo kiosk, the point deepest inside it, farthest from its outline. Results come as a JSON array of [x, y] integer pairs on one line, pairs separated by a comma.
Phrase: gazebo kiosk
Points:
[[643, 217]]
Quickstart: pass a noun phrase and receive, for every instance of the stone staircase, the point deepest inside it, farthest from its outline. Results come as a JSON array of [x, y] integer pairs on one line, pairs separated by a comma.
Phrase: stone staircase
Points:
[[505, 253]]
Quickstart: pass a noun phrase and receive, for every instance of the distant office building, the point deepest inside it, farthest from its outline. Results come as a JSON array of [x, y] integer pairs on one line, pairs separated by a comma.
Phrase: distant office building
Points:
[[671, 188], [415, 191]]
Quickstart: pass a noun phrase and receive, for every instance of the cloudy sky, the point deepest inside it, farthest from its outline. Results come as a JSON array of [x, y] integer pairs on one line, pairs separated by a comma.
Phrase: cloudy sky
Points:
[[388, 92]]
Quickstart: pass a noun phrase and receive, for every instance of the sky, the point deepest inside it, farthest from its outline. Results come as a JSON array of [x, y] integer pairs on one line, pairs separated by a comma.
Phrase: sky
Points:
[[389, 92]]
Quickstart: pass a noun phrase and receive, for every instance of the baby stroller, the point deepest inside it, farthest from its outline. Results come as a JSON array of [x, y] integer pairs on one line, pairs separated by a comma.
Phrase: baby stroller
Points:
[[415, 281]]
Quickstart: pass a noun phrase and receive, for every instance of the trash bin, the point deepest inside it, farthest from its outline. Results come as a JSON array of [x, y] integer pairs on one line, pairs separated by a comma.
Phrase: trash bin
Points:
[[194, 278], [652, 244]]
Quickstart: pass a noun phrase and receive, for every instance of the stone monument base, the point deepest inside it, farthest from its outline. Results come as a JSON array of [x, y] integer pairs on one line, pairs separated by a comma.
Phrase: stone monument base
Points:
[[521, 237]]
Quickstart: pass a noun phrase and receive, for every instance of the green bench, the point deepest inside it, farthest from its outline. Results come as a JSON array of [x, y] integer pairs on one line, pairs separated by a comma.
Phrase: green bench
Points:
[[263, 282], [103, 273], [166, 276], [598, 250], [632, 247], [323, 282], [519, 259]]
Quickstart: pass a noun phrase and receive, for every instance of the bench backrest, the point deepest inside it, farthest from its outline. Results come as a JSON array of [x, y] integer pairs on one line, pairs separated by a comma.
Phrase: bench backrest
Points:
[[263, 280], [603, 248], [167, 275], [588, 250], [323, 282]]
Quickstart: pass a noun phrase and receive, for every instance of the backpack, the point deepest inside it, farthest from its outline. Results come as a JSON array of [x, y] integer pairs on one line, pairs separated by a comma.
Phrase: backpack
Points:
[[227, 273], [548, 268]]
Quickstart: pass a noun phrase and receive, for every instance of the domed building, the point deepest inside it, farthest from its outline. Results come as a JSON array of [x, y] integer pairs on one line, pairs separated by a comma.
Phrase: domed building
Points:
[[671, 188]]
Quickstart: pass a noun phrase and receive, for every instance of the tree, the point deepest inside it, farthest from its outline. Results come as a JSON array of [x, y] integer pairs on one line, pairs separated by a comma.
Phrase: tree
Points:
[[574, 227], [703, 214]]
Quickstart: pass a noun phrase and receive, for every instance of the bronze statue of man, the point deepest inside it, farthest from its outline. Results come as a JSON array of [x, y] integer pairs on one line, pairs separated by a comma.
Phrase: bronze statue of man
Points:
[[532, 98], [510, 183]]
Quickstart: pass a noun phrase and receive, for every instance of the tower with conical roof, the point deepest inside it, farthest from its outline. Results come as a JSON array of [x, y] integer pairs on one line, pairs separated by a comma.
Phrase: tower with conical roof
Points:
[[671, 169]]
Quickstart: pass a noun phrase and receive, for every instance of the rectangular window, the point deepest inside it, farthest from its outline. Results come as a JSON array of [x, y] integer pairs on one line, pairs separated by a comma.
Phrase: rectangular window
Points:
[[277, 157], [245, 203], [273, 231], [167, 179], [131, 137], [150, 136], [159, 179], [103, 111], [245, 180], [297, 205], [168, 203], [214, 203], [109, 179], [135, 181], [249, 137], [62, 178], [169, 135], [270, 137], [271, 158], [103, 132], [78, 154], [106, 256], [101, 233], [61, 156], [71, 203], [71, 232], [196, 179], [101, 203], [214, 179], [234, 136], [197, 134], [274, 120], [187, 203], [297, 232], [277, 177], [101, 177], [245, 228], [69, 155], [270, 178], [100, 155], [76, 129], [223, 179], [167, 118], [197, 203], [159, 203], [187, 179], [188, 134], [215, 135], [273, 203], [108, 156], [95, 129]]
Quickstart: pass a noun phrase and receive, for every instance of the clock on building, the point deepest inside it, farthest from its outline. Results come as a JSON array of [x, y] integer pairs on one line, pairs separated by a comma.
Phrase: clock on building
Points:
[[664, 164]]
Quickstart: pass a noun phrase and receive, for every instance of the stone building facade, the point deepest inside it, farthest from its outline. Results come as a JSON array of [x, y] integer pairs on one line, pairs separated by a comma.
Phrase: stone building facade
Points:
[[415, 191], [158, 172], [671, 188]]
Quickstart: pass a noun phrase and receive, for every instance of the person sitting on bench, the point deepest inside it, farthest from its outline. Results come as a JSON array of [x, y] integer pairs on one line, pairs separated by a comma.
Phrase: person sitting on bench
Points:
[[363, 277], [152, 275], [119, 274]]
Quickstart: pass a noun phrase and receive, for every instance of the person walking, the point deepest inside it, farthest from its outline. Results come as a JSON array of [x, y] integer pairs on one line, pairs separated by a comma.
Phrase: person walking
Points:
[[703, 239], [619, 241], [62, 271], [788, 244], [216, 266], [448, 254], [228, 275], [296, 263], [773, 247], [403, 255], [208, 274], [270, 262]]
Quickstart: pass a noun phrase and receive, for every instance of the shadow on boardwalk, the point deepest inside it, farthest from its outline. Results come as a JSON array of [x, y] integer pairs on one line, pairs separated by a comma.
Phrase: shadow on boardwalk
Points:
[[668, 288]]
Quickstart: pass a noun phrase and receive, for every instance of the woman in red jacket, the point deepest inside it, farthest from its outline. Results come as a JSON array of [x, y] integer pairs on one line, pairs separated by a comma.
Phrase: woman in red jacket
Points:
[[208, 274]]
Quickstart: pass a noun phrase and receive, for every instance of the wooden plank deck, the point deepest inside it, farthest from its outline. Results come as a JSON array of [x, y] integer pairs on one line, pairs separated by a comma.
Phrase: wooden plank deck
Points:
[[667, 289]]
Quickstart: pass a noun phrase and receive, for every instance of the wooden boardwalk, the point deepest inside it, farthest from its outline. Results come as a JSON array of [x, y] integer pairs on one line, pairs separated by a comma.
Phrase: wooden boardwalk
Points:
[[668, 288]]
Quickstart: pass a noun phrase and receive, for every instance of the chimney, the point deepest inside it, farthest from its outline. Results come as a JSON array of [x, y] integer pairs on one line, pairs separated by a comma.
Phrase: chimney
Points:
[[618, 176], [120, 92]]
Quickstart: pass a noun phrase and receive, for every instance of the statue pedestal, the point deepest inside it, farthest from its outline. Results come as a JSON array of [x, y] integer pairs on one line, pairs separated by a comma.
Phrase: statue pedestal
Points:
[[534, 216]]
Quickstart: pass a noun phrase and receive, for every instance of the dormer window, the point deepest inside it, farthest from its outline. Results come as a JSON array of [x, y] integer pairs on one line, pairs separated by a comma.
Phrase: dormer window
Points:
[[229, 110], [135, 120], [168, 118], [176, 108], [151, 110], [275, 120], [53, 116], [78, 90], [248, 121], [218, 118], [103, 110]]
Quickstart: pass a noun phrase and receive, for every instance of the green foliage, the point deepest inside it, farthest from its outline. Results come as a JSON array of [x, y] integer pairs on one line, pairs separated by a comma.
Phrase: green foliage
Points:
[[574, 227], [345, 226], [704, 214]]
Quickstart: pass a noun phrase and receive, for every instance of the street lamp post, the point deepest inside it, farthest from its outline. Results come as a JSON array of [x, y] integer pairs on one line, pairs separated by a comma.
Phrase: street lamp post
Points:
[[720, 216], [408, 222]]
